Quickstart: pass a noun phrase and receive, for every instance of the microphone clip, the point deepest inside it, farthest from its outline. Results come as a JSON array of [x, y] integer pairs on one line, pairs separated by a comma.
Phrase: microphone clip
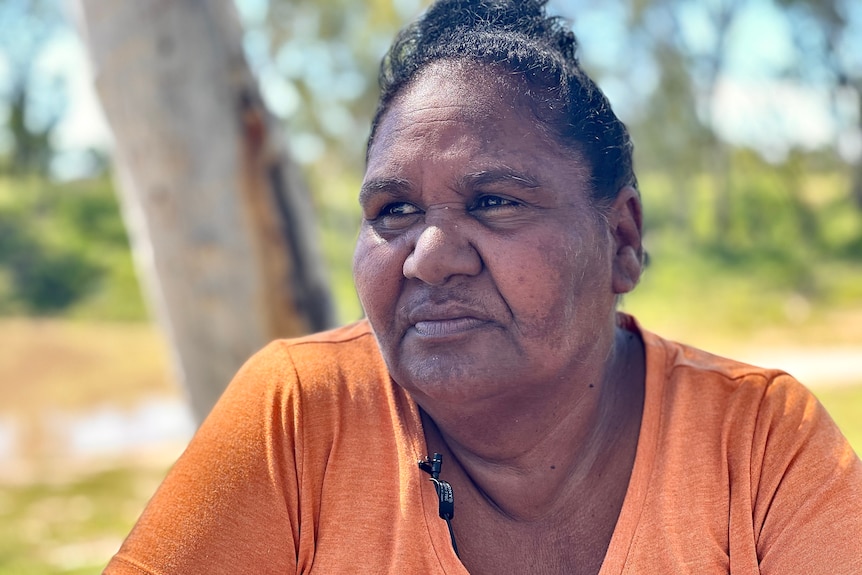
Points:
[[432, 466], [445, 495]]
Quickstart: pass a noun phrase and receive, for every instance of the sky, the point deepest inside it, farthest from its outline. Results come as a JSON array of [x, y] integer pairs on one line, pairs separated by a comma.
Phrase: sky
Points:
[[751, 105]]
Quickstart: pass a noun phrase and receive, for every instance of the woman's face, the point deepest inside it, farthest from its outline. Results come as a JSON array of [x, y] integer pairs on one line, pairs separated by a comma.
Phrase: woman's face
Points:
[[481, 264]]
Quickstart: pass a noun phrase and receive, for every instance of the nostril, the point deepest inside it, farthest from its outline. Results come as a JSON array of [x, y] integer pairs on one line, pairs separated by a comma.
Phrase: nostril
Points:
[[439, 254]]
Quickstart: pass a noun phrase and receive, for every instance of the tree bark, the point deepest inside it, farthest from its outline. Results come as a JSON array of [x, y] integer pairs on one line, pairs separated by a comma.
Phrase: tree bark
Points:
[[222, 231]]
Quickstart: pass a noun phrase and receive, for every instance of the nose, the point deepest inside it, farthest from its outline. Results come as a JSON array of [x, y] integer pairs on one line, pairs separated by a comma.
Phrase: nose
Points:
[[441, 252]]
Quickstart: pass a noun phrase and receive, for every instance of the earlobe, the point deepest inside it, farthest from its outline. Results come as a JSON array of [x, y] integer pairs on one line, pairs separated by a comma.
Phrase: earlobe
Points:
[[626, 221]]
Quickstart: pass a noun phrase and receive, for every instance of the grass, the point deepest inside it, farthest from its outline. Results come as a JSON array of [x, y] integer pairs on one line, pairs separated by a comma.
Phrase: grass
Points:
[[844, 404], [70, 516], [72, 526]]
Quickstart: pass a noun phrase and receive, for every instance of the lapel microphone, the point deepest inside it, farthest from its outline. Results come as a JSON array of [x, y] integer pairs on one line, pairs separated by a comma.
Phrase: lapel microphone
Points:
[[445, 496]]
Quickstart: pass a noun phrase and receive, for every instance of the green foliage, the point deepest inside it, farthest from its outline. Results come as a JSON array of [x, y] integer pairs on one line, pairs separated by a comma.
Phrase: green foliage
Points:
[[32, 148], [786, 213], [46, 280], [43, 276], [338, 217], [63, 247], [788, 259], [322, 57]]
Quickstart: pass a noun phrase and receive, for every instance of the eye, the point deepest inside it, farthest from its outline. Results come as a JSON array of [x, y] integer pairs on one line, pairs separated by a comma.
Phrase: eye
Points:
[[394, 217], [492, 202], [398, 209]]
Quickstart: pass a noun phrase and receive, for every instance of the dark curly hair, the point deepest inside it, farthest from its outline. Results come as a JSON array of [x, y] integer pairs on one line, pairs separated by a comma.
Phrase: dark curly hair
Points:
[[519, 38]]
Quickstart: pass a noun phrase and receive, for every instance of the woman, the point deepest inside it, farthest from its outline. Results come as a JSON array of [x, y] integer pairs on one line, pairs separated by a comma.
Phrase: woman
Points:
[[501, 223]]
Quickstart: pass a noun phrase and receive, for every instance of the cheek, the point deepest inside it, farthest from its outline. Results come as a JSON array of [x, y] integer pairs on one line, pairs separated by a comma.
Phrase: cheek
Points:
[[533, 281], [377, 273], [553, 285], [545, 307]]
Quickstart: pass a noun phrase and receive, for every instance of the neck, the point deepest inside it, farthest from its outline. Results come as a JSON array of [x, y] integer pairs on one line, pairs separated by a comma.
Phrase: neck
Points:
[[523, 455]]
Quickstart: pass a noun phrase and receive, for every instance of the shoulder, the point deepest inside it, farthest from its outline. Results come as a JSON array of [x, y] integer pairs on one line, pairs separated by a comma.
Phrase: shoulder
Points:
[[733, 440], [354, 339], [320, 373], [750, 403], [335, 353], [719, 382], [763, 423], [755, 418]]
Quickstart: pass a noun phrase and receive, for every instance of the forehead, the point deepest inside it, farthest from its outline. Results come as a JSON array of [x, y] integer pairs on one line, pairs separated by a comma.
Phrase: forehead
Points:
[[459, 107], [477, 91]]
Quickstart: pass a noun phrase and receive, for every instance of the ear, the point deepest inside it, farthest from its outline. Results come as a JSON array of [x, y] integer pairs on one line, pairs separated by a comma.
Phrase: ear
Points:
[[626, 225]]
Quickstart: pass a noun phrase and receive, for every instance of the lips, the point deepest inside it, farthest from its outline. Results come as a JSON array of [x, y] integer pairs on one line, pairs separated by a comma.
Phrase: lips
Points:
[[435, 321], [447, 327]]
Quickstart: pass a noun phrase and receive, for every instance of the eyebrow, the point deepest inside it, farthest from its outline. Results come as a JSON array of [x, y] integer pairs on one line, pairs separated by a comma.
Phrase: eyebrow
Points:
[[500, 176], [390, 186], [400, 186]]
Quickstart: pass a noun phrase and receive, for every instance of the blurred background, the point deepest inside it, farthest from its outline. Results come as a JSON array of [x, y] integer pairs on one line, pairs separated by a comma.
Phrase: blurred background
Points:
[[747, 121]]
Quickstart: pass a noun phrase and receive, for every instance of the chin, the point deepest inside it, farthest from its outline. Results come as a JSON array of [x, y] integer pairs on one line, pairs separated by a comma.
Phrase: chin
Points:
[[447, 380]]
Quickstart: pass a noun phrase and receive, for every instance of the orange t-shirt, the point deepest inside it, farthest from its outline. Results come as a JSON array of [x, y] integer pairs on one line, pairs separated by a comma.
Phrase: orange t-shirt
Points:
[[308, 464]]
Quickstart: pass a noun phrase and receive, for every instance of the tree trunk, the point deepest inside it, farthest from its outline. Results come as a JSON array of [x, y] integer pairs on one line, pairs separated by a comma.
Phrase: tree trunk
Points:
[[222, 231]]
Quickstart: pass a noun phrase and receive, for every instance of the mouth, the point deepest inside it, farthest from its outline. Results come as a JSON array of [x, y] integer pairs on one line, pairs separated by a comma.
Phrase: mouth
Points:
[[441, 328], [434, 321]]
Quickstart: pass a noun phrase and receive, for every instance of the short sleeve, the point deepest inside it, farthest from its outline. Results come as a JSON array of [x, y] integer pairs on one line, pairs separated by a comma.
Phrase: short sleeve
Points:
[[808, 493], [224, 508]]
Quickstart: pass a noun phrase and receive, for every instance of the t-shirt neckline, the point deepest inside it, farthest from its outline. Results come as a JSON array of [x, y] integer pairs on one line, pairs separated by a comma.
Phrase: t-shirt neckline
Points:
[[623, 537]]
